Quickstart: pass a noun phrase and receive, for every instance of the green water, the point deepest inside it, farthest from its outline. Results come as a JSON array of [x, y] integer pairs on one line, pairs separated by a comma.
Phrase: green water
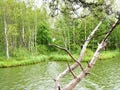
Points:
[[104, 76]]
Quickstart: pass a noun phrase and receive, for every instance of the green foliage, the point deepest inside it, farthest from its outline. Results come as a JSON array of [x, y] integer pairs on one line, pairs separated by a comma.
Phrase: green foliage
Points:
[[53, 57], [34, 26], [26, 61], [114, 42], [20, 53], [42, 49], [75, 48], [108, 54], [58, 57], [43, 36]]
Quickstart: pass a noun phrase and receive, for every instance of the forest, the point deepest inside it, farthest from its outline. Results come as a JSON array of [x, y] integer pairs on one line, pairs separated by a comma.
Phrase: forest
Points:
[[32, 29], [25, 28]]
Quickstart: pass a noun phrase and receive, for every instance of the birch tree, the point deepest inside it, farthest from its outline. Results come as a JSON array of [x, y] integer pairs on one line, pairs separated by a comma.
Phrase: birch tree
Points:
[[5, 34]]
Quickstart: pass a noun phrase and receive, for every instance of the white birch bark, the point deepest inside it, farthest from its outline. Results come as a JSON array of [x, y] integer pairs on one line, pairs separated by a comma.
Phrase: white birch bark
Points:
[[6, 37]]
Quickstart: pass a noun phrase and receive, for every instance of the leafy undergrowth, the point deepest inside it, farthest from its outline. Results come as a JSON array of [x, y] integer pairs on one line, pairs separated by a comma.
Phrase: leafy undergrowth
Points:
[[88, 56], [108, 54], [58, 57], [12, 62], [26, 61]]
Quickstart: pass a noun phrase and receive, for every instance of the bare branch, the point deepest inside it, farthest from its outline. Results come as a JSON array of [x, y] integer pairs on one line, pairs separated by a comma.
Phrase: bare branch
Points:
[[74, 82], [88, 64], [71, 70], [69, 55], [117, 22], [64, 50], [80, 57], [86, 43]]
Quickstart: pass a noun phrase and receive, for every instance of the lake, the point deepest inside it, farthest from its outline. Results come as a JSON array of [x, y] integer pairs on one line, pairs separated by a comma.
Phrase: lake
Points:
[[105, 75]]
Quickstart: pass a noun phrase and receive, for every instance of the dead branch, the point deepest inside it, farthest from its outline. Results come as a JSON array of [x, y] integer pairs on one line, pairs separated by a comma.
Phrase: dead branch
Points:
[[88, 64], [66, 50], [57, 81], [75, 65], [82, 75], [71, 70], [117, 22], [69, 55], [74, 82]]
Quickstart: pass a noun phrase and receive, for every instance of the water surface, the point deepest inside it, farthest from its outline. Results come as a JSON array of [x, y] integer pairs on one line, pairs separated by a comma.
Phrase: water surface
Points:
[[104, 76]]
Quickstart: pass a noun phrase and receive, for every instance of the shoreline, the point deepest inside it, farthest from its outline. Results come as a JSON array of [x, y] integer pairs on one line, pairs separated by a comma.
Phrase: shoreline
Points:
[[53, 57]]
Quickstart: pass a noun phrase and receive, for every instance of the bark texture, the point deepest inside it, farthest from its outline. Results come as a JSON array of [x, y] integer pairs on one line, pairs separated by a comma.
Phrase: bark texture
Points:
[[5, 36]]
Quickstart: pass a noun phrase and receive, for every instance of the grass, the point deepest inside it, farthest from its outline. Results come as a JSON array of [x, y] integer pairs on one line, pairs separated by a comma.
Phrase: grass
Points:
[[88, 56], [108, 54], [12, 62], [27, 61], [58, 57]]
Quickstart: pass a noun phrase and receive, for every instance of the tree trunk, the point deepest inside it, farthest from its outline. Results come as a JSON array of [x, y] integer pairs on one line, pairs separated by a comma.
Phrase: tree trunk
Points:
[[74, 82], [35, 36], [86, 71], [85, 30], [29, 38], [64, 38], [23, 34], [6, 37], [32, 39], [57, 80]]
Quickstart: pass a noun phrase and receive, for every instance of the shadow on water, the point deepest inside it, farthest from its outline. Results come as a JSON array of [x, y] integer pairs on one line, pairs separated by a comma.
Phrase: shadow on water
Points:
[[104, 76]]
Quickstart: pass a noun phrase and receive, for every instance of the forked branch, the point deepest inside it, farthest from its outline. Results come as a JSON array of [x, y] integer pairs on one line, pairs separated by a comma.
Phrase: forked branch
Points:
[[71, 70], [101, 46], [68, 52], [80, 56]]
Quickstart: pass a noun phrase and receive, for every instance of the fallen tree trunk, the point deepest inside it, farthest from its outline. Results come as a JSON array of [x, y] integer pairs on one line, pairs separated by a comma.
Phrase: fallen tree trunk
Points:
[[102, 45], [85, 72], [67, 70]]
